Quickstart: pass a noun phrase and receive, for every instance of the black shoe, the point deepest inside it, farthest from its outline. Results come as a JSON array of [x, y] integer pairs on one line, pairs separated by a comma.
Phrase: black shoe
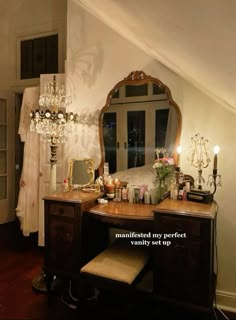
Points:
[[39, 282], [67, 300]]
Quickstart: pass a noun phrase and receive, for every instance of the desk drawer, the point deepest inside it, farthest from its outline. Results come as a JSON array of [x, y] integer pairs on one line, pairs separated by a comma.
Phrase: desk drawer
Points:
[[171, 224], [61, 210]]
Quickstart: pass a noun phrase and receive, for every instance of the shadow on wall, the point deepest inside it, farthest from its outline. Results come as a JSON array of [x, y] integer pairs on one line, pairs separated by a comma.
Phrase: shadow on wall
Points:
[[89, 119], [84, 65]]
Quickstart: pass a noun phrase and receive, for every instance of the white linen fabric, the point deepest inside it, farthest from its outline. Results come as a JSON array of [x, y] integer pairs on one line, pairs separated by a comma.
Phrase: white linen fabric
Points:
[[144, 175], [28, 205]]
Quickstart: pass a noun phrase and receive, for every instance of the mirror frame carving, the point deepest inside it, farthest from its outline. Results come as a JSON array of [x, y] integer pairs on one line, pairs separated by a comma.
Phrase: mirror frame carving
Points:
[[137, 78]]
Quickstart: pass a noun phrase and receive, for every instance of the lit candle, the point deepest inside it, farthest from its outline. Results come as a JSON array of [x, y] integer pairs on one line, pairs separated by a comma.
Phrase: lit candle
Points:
[[216, 151], [179, 150], [110, 188], [116, 183]]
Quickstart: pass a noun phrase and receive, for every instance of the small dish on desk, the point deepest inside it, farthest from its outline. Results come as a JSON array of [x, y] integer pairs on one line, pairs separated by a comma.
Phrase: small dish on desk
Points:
[[102, 201], [110, 195]]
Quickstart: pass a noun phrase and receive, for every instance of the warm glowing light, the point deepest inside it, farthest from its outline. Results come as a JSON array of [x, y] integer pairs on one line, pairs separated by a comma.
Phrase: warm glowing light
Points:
[[116, 183], [179, 150], [216, 149], [52, 121]]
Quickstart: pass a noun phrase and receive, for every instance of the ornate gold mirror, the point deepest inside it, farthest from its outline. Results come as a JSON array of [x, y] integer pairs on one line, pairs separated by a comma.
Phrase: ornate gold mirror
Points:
[[81, 173], [138, 117]]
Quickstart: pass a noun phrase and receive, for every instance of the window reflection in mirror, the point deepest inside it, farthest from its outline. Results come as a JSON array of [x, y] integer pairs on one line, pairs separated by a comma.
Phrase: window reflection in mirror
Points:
[[139, 116]]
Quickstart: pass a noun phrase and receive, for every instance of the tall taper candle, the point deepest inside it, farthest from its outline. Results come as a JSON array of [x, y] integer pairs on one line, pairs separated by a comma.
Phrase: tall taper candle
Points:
[[215, 162]]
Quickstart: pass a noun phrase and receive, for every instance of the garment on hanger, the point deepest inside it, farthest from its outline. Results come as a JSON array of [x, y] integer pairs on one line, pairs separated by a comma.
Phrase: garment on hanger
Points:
[[28, 200]]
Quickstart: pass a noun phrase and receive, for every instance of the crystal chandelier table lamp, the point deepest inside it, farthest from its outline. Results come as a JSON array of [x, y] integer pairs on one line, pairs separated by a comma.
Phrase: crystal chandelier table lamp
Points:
[[52, 121], [200, 157]]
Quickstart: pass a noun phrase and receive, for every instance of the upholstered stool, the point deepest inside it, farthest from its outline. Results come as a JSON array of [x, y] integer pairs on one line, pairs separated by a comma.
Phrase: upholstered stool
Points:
[[117, 267]]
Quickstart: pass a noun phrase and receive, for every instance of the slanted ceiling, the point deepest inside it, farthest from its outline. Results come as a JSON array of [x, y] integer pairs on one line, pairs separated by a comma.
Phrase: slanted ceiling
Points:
[[194, 38]]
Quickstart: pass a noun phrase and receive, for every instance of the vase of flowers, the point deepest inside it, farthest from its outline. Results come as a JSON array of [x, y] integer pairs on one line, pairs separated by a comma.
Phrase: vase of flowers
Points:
[[165, 169]]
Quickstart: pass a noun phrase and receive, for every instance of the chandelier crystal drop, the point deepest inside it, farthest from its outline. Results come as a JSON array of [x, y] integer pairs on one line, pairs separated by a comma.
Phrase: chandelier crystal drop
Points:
[[51, 120]]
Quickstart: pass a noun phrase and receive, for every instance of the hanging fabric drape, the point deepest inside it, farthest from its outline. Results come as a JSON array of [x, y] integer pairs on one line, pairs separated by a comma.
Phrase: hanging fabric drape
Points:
[[27, 209]]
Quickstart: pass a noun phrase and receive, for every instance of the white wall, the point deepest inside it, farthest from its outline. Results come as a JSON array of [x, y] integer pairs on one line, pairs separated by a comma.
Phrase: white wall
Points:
[[97, 59]]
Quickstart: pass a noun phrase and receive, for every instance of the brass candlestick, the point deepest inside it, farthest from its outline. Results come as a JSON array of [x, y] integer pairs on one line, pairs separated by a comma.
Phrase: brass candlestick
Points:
[[214, 179]]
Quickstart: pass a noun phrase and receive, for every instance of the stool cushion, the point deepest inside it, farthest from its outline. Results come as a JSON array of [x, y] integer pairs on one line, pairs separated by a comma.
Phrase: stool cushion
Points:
[[120, 262]]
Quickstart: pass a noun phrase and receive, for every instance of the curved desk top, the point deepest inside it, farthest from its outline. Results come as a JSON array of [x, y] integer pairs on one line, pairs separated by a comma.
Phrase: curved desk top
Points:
[[124, 210], [135, 211]]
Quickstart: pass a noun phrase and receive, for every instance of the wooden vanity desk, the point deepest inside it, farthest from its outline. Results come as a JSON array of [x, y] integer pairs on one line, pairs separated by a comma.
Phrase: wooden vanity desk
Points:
[[76, 229], [183, 271]]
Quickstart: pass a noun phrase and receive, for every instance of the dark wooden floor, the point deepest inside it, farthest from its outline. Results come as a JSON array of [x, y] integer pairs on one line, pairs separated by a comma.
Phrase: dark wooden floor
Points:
[[21, 259]]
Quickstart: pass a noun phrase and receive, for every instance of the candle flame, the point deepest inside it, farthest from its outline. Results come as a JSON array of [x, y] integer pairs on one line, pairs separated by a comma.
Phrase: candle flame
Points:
[[216, 149], [179, 149]]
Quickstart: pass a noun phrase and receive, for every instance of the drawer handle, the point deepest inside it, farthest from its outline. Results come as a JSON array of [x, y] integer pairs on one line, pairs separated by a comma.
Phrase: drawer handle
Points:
[[60, 211]]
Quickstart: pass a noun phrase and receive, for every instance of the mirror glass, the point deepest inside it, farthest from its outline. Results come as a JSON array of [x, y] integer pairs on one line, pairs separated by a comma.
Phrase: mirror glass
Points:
[[139, 116], [81, 172]]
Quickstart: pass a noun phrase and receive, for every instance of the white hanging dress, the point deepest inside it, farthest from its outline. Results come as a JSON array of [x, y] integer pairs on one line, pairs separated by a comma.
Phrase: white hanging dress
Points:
[[28, 200]]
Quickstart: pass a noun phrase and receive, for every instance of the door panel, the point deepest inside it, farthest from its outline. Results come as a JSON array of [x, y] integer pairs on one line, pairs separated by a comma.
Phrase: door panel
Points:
[[110, 139], [19, 146], [7, 158], [135, 143]]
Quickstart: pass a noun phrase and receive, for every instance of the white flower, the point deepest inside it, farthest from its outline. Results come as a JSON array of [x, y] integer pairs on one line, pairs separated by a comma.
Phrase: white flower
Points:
[[157, 165]]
